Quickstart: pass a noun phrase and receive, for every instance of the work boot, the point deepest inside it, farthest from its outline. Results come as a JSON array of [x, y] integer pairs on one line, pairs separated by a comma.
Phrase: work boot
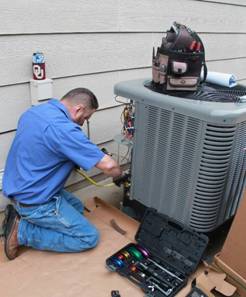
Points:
[[9, 209], [10, 228]]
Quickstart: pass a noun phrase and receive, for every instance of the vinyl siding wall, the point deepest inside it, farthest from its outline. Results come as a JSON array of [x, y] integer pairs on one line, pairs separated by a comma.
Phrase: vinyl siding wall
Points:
[[98, 43]]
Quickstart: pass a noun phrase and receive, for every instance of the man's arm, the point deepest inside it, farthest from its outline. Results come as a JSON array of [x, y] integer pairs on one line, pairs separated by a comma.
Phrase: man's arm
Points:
[[109, 166]]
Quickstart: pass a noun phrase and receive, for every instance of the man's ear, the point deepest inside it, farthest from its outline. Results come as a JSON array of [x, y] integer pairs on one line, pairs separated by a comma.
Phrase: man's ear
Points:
[[80, 107]]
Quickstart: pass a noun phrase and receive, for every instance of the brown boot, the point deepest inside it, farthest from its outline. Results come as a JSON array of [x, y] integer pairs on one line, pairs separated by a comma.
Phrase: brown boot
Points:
[[11, 242]]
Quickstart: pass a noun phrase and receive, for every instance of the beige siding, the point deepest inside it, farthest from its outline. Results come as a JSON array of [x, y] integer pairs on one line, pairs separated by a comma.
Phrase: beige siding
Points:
[[73, 54], [98, 43], [235, 66], [59, 16], [15, 99], [92, 53], [229, 2]]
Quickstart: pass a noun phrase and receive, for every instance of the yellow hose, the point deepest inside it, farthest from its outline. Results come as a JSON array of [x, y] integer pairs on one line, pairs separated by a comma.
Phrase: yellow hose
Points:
[[80, 172]]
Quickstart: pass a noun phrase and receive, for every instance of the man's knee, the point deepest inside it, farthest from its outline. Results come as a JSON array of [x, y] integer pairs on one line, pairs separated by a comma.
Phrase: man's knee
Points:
[[90, 240], [93, 239]]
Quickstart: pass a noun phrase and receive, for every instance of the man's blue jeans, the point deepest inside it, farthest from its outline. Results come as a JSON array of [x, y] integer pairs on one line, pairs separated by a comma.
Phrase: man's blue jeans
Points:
[[58, 225]]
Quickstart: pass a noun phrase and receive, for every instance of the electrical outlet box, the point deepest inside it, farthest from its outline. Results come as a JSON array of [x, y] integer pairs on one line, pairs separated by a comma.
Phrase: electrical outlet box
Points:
[[41, 90]]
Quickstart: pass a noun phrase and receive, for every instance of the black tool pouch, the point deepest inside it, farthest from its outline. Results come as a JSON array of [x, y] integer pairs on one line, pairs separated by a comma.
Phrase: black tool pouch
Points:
[[183, 71], [178, 62]]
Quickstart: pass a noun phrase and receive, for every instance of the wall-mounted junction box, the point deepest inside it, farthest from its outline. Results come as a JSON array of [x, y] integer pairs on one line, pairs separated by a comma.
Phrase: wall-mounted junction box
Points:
[[41, 90]]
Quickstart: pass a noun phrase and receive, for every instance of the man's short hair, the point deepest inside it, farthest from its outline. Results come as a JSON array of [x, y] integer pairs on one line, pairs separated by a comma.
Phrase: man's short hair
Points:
[[84, 95]]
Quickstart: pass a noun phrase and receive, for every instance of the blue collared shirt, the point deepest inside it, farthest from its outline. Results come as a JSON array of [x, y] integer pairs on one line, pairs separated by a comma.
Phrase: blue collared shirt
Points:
[[47, 146]]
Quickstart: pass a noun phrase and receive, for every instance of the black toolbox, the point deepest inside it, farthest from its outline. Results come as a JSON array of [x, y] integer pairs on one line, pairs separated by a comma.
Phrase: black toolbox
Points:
[[165, 255]]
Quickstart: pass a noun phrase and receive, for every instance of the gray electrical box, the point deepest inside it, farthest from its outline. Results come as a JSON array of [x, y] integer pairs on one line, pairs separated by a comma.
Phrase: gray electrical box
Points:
[[189, 158]]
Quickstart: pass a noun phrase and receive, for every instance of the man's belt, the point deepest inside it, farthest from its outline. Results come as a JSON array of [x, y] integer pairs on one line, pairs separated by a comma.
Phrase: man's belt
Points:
[[28, 205]]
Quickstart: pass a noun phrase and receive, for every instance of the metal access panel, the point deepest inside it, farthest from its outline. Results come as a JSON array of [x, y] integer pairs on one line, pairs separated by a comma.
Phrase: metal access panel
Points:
[[188, 159]]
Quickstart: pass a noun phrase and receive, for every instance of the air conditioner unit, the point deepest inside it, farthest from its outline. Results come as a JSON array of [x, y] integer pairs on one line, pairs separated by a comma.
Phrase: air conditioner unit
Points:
[[189, 158]]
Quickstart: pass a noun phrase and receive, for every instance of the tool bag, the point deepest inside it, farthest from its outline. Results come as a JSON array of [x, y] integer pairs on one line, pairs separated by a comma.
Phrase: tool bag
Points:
[[178, 62], [164, 256]]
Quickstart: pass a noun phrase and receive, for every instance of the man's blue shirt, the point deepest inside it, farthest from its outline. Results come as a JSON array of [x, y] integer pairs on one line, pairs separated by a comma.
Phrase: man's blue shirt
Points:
[[47, 146]]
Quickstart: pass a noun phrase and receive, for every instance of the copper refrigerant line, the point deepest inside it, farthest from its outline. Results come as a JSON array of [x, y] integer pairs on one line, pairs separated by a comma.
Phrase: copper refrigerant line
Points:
[[134, 262]]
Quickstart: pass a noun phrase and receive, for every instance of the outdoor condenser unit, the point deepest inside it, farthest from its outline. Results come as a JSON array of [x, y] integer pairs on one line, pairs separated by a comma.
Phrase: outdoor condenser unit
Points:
[[189, 156]]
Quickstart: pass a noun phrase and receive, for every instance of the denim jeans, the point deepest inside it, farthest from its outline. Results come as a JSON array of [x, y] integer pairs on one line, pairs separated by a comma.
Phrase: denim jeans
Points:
[[57, 225]]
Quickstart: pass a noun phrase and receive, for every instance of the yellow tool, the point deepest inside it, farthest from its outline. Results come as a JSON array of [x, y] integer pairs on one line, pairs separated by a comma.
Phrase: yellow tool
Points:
[[92, 181]]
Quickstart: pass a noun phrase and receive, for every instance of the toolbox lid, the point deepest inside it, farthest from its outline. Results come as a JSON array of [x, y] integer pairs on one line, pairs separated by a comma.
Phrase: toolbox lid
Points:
[[171, 241]]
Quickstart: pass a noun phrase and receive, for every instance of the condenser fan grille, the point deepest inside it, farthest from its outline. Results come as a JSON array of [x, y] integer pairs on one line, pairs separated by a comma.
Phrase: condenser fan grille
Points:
[[206, 92], [214, 164]]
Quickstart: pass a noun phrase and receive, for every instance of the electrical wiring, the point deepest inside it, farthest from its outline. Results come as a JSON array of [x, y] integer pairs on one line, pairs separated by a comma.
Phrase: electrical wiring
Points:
[[128, 121], [92, 181]]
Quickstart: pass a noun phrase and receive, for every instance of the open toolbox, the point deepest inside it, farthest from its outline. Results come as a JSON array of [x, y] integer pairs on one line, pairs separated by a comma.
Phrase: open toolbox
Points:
[[165, 255]]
